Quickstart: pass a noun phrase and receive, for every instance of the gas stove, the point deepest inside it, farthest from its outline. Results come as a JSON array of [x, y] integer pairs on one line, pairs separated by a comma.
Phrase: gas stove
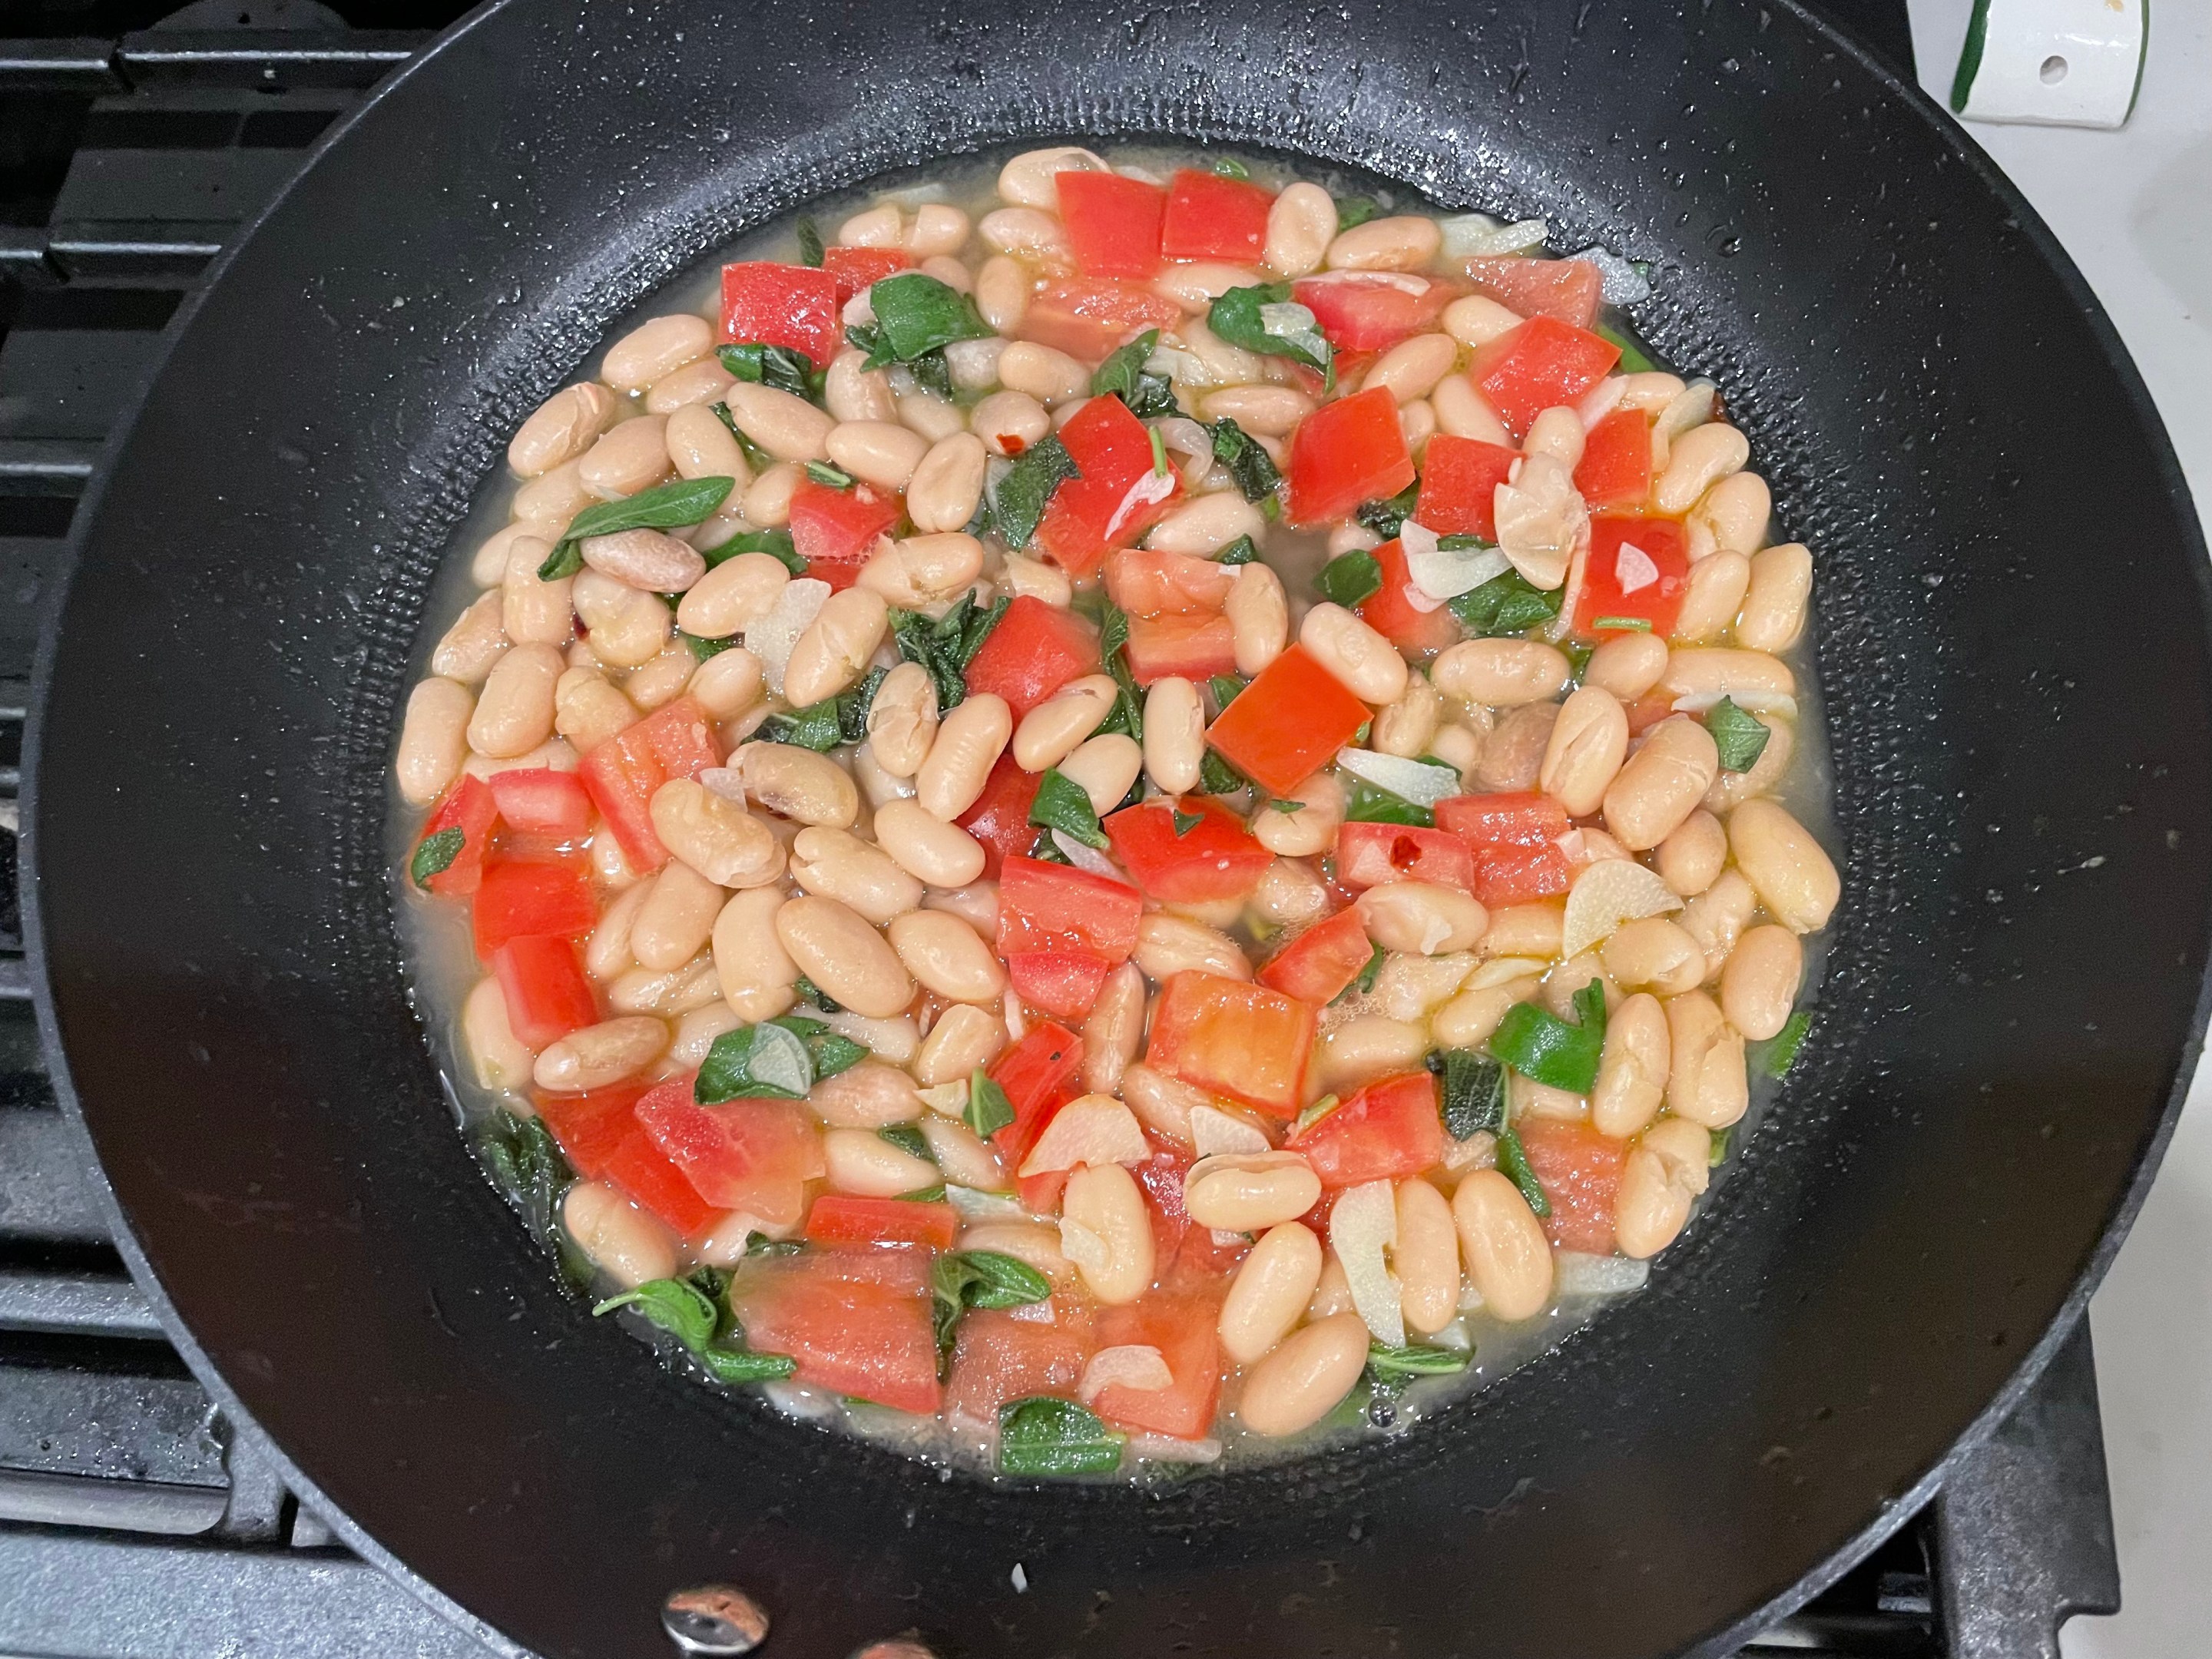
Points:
[[134, 1523]]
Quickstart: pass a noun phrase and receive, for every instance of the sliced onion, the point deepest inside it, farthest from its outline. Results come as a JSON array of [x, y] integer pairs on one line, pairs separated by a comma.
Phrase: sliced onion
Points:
[[977, 1205], [1212, 1130], [1362, 1226], [1606, 894], [1500, 970], [1779, 704], [1131, 1365], [1441, 573], [1633, 569], [1084, 1246], [859, 312], [1150, 490], [1604, 398], [726, 782], [946, 1099], [1411, 779], [1167, 1449], [771, 638], [1181, 435], [1620, 282], [1087, 857], [1295, 324], [1404, 281], [1479, 236], [1577, 1273], [1093, 1129]]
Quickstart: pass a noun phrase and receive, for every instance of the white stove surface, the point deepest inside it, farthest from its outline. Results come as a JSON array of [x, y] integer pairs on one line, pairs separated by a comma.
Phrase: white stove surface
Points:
[[2134, 208]]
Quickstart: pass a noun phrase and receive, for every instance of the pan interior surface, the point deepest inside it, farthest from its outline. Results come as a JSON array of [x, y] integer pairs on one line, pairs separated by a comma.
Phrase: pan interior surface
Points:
[[2018, 772]]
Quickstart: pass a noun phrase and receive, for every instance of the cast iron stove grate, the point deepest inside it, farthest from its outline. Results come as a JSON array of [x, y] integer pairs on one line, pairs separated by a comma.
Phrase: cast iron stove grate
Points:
[[133, 1524]]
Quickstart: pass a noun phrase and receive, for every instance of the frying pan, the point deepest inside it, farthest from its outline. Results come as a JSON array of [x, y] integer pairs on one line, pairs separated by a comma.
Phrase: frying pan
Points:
[[2011, 630]]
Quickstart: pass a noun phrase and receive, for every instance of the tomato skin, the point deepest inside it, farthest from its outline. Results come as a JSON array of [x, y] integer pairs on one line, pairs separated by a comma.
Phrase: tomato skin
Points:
[[623, 773], [1459, 486], [1055, 907], [1035, 650], [1346, 452], [1063, 983], [1568, 289], [1390, 611], [1181, 1323], [542, 801], [1148, 584], [999, 1356], [1288, 723], [999, 819], [1087, 319], [1520, 875], [1214, 858], [1664, 542], [767, 303], [1369, 313], [1113, 223], [1580, 1171], [1040, 1074], [1538, 366], [854, 269], [546, 993], [1615, 470], [752, 1155], [839, 527], [1119, 497], [1370, 854], [471, 807], [1386, 1132], [590, 1127], [1316, 965], [841, 1219], [1212, 217], [1234, 1038], [1509, 818], [520, 896], [857, 1321], [1192, 648]]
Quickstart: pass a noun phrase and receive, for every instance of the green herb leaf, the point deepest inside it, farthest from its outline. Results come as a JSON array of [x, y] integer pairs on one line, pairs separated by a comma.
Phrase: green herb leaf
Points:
[[918, 642], [1127, 715], [777, 366], [743, 1365], [1365, 981], [1716, 1149], [436, 853], [810, 251], [1740, 736], [924, 1195], [1370, 803], [1216, 776], [765, 1062], [815, 726], [907, 1139], [776, 544], [1513, 1164], [932, 374], [853, 705], [1506, 604], [1634, 360], [1242, 551], [867, 337], [834, 477], [665, 506], [566, 559], [1184, 822], [1416, 1361], [1112, 629], [1386, 518], [1471, 1091], [1064, 805], [1046, 850], [1045, 1436], [1287, 805], [1540, 1045], [1350, 578], [1229, 168], [1119, 374], [1023, 494], [1621, 625], [814, 997], [1249, 463], [973, 625], [915, 313], [1352, 211], [1225, 687], [703, 649], [1464, 543], [1240, 318], [527, 1167], [677, 1305], [1313, 1114], [988, 1108], [834, 1054], [1159, 451], [1778, 1053], [760, 1244]]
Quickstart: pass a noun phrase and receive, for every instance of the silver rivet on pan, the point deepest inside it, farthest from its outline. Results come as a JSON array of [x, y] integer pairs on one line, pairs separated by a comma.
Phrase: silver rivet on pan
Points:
[[714, 1620], [899, 1647]]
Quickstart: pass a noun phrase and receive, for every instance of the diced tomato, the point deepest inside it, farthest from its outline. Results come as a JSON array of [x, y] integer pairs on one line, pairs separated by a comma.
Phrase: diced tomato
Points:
[[1119, 496], [1236, 1039], [839, 527], [1459, 486], [1638, 567], [1148, 584], [1346, 452], [1538, 366], [1193, 647], [543, 985], [1041, 1194], [623, 774], [1386, 1132], [1370, 854], [1039, 1074], [1648, 710], [591, 1126], [1214, 858], [1181, 1323], [855, 268], [1212, 217], [1003, 1354], [1390, 610], [770, 304], [1520, 875], [539, 799], [1113, 223], [1615, 470], [1371, 314], [1089, 319], [1580, 1171], [1316, 965], [1063, 983], [517, 897], [752, 1155], [841, 1219], [471, 807], [1288, 723], [858, 1322], [1160, 1176], [999, 819], [1519, 818], [1055, 907], [1035, 650], [1568, 289]]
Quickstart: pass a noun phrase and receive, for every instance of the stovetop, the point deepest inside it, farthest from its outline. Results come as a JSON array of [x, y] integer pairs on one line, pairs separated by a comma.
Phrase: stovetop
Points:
[[134, 1523]]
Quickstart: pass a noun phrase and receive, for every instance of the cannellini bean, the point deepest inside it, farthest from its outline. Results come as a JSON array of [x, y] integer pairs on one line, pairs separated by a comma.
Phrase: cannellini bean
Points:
[[1273, 1284], [655, 347], [1713, 596], [1500, 674], [861, 1162], [1408, 726], [1106, 1231], [1773, 613], [1207, 524], [1664, 1173], [1163, 1104], [1197, 285], [628, 627], [967, 1160], [728, 684], [1333, 1296], [782, 422], [1403, 242], [1662, 784], [1301, 225], [1690, 859], [1418, 422], [1706, 1082], [948, 483], [694, 385], [500, 1061], [1031, 179], [800, 784], [599, 1054], [715, 835], [976, 904], [902, 719], [768, 498], [627, 458], [833, 652], [1627, 664], [1360, 1049], [1652, 952], [837, 864], [488, 564], [648, 559], [1300, 1382], [1425, 1257], [1106, 769], [931, 417], [1002, 293], [1758, 986], [1561, 984], [676, 992], [852, 392], [836, 949], [1649, 391], [1588, 742], [701, 447], [1697, 460], [1736, 510], [1310, 831], [1717, 917], [627, 1243], [1632, 1073], [1411, 988], [880, 452], [1476, 320], [968, 742], [1248, 1192], [1731, 789], [544, 505], [1467, 1020], [1460, 747], [925, 847], [1049, 733], [434, 738], [867, 1095], [1557, 433], [756, 974], [1421, 916], [1168, 946], [697, 1031], [1051, 377], [1175, 735], [1462, 410], [1115, 1030], [560, 428], [513, 713], [1369, 666], [607, 952], [1259, 616], [881, 225], [533, 611], [937, 229], [963, 1039], [677, 918], [1791, 873], [1503, 1244], [1412, 367], [661, 681], [947, 956], [1265, 411]]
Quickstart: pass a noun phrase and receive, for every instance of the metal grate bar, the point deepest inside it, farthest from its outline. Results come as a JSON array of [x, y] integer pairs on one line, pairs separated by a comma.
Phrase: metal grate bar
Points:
[[260, 58], [66, 65], [75, 1305]]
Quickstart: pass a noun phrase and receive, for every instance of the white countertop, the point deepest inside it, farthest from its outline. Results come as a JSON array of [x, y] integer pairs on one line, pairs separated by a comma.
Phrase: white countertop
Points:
[[2134, 210]]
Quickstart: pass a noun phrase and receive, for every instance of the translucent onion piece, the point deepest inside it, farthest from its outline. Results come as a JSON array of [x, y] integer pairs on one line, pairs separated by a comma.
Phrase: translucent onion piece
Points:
[[1295, 325], [1601, 400], [975, 1205], [1362, 1227], [1609, 892], [1755, 702], [1479, 236], [1415, 781], [1621, 282], [894, 1040], [1132, 1366], [1212, 1130], [946, 1099], [1087, 857], [1633, 569], [1541, 521], [1441, 574], [1094, 1129], [1166, 1448], [1575, 1274], [771, 638], [1404, 281]]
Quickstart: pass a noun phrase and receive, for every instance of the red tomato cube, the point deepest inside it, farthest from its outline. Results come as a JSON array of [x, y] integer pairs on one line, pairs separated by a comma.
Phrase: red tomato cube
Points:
[[1119, 497], [1638, 569], [841, 1219], [1148, 584], [1580, 1171], [1236, 1039], [999, 819], [1113, 223], [590, 1127], [1391, 612], [1193, 647], [1388, 1131], [552, 897], [1055, 907], [1518, 819], [1005, 1354], [544, 986], [1316, 965], [857, 269], [1360, 312], [1615, 470], [1459, 486], [1346, 452], [471, 807], [1182, 1324], [623, 774], [1040, 1075], [1062, 983], [858, 1322], [541, 800], [1519, 875], [1538, 366], [766, 303], [1087, 319], [1568, 289], [839, 527], [1212, 217], [1215, 858], [1370, 854], [752, 1155], [1288, 723], [1035, 650]]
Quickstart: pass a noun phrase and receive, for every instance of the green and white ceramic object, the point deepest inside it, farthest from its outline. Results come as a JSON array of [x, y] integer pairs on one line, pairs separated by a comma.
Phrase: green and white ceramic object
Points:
[[2055, 63]]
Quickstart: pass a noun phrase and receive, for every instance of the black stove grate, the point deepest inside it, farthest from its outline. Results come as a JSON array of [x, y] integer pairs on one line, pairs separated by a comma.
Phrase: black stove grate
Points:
[[133, 1524]]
